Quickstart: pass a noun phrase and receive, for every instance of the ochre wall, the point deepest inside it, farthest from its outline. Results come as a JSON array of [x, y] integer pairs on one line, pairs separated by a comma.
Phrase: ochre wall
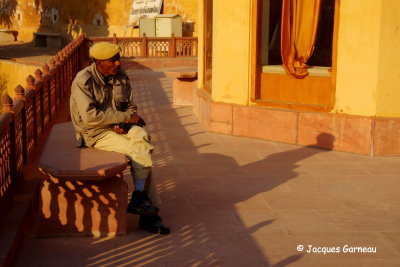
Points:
[[13, 74], [96, 18], [188, 10], [231, 51], [93, 17]]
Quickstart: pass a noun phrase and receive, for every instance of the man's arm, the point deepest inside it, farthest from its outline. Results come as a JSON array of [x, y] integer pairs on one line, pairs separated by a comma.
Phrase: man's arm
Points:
[[131, 104], [89, 112], [131, 101]]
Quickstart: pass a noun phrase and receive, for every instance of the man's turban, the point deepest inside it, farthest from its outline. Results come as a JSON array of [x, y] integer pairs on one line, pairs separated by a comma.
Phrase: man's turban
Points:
[[103, 50]]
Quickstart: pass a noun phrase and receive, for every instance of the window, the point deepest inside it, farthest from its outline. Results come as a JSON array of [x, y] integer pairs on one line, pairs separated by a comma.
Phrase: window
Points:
[[275, 88]]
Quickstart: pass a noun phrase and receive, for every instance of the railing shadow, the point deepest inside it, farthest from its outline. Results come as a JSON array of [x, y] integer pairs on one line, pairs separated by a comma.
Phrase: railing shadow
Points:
[[73, 208]]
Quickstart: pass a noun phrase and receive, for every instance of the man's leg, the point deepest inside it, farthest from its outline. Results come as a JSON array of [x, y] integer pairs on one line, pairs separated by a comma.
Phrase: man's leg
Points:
[[138, 152], [136, 146]]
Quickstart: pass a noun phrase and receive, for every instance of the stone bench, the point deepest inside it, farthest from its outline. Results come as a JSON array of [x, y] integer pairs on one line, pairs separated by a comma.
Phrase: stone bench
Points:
[[82, 191], [183, 87], [52, 40], [7, 35]]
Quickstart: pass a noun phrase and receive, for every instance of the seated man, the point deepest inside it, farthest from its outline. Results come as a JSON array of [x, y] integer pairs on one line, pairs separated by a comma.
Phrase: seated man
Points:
[[101, 99]]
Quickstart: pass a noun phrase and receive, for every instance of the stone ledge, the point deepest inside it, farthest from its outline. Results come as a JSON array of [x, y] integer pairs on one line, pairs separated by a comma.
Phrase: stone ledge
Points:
[[348, 133]]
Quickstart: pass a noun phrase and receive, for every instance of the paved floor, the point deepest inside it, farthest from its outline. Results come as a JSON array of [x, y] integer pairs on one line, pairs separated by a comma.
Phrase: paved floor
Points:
[[26, 53], [233, 201]]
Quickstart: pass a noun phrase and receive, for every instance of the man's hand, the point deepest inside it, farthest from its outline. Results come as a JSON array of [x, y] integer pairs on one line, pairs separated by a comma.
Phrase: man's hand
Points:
[[135, 119], [119, 130]]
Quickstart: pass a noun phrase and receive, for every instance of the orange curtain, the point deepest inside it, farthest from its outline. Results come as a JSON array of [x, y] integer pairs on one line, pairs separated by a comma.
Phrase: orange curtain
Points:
[[298, 32]]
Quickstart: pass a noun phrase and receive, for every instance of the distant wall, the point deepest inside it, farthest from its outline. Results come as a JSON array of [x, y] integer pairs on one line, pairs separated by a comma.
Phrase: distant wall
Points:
[[188, 10], [96, 18]]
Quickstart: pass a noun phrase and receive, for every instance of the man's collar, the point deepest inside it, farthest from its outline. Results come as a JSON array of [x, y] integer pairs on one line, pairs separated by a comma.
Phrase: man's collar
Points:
[[100, 79]]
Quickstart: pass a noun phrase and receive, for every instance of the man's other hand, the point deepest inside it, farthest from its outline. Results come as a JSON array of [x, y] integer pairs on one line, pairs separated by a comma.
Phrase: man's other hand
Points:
[[137, 120], [134, 119]]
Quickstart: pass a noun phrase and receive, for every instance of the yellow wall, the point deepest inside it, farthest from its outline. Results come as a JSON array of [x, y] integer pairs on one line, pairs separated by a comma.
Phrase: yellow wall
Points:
[[74, 17], [231, 51], [368, 81], [358, 57], [13, 74], [388, 96]]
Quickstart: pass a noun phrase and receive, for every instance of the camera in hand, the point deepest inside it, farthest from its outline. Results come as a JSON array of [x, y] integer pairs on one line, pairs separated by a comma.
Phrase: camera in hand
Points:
[[126, 126]]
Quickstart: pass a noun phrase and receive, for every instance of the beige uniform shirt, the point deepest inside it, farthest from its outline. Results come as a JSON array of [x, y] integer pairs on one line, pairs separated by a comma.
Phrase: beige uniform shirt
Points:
[[96, 103]]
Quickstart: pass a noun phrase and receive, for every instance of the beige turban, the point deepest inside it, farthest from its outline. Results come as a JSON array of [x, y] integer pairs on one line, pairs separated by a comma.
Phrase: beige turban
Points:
[[103, 50]]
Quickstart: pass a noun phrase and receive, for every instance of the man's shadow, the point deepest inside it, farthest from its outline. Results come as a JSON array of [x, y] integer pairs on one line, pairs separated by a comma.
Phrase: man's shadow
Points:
[[198, 188], [244, 182]]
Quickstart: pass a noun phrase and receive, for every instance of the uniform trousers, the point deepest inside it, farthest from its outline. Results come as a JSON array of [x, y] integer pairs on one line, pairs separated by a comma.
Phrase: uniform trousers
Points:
[[136, 146]]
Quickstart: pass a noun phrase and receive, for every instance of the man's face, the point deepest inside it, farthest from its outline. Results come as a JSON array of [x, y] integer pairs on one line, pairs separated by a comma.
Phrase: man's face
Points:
[[110, 66]]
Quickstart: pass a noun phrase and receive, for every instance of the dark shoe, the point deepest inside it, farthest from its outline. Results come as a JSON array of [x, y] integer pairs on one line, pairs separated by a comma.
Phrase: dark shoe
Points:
[[153, 224], [141, 204]]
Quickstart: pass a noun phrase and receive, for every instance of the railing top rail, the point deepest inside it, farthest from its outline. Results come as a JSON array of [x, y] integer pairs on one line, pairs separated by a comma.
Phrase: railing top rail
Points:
[[100, 39]]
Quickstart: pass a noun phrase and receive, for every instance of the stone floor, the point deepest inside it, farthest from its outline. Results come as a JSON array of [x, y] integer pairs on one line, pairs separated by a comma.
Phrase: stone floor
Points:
[[233, 201]]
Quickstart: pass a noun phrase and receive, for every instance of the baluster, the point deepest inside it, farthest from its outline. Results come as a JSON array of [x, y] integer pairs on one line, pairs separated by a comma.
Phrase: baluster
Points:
[[7, 180], [53, 87], [64, 71], [172, 48], [68, 75], [144, 46], [130, 49], [186, 49], [39, 88], [59, 91], [7, 104], [136, 50], [30, 85], [61, 76], [46, 81], [82, 53], [19, 92], [54, 65]]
